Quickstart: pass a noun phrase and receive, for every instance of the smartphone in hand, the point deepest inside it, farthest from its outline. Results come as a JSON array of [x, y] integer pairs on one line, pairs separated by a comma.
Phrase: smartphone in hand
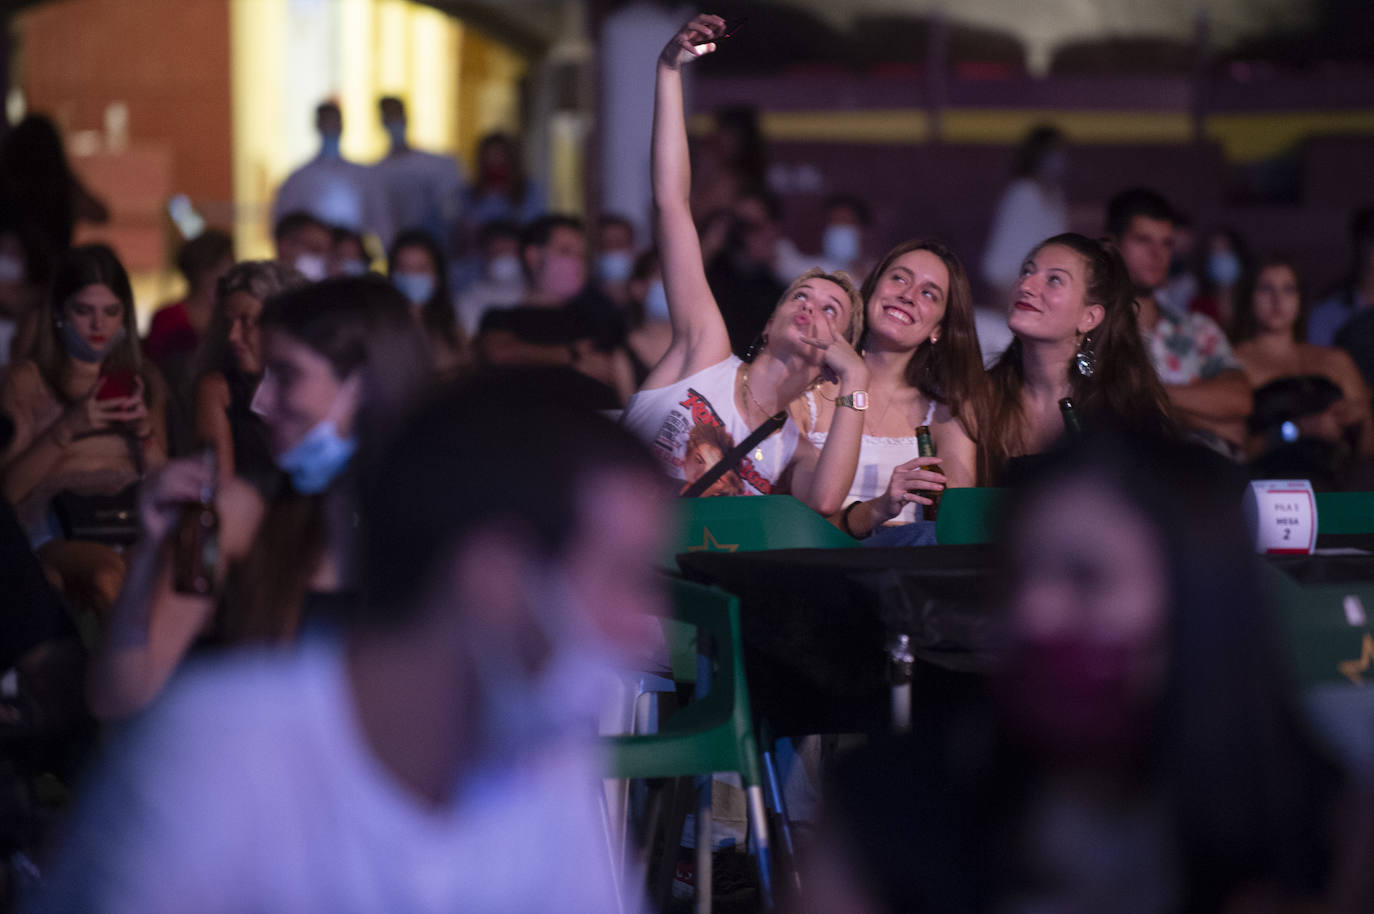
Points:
[[117, 383]]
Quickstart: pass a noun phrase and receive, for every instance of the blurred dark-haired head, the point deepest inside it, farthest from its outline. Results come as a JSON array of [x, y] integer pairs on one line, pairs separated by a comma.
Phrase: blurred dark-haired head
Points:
[[502, 454]]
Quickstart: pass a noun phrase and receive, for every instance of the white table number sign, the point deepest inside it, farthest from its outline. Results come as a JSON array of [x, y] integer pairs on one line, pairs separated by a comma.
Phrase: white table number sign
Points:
[[1282, 514]]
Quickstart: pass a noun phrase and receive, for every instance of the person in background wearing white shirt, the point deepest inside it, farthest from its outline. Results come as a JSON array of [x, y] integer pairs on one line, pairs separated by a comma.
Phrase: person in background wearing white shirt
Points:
[[1032, 208], [304, 244], [435, 752], [331, 188], [422, 190]]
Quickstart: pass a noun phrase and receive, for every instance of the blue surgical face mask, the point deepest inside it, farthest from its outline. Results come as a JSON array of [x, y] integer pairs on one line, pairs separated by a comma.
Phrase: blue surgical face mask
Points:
[[317, 459], [11, 268], [313, 267], [416, 287], [841, 243], [505, 268], [329, 145], [397, 131], [352, 267], [1223, 268], [614, 266], [656, 302], [82, 351]]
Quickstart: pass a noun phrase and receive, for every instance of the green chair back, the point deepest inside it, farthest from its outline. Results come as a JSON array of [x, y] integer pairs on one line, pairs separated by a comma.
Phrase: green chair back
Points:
[[1345, 512], [967, 515], [713, 733], [749, 523], [1327, 627]]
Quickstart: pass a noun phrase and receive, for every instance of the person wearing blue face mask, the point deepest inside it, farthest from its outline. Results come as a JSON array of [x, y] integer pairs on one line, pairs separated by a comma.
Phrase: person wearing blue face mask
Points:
[[1219, 264], [615, 257], [418, 270], [341, 359], [422, 190], [334, 190]]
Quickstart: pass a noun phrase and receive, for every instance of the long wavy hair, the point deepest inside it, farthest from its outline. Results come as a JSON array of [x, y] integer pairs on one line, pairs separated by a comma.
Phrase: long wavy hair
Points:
[[1124, 385], [951, 370]]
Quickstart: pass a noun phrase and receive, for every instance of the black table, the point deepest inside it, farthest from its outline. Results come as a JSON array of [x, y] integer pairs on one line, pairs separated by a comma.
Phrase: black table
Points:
[[815, 624]]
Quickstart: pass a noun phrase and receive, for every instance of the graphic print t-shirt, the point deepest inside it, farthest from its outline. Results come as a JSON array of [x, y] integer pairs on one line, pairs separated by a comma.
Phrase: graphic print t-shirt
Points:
[[667, 419]]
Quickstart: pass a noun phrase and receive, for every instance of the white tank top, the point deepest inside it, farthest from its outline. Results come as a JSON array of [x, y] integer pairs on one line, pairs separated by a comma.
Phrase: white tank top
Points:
[[665, 416], [878, 457]]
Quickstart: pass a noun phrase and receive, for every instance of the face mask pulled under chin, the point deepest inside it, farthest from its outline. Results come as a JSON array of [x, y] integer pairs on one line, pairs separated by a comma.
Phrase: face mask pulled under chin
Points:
[[78, 348], [318, 458], [524, 711]]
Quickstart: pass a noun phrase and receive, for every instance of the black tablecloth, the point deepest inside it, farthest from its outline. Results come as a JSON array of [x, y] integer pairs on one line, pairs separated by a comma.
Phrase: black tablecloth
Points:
[[815, 623]]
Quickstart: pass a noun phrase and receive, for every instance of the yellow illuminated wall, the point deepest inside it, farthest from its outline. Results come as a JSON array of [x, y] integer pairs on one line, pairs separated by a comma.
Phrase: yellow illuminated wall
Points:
[[289, 55]]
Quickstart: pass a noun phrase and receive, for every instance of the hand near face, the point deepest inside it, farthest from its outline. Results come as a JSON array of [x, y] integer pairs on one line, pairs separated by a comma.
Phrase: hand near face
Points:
[[837, 356]]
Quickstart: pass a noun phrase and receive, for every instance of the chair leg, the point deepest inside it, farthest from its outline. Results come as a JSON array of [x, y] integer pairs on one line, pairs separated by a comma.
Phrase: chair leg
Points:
[[702, 874], [775, 794], [617, 860], [759, 823], [678, 805]]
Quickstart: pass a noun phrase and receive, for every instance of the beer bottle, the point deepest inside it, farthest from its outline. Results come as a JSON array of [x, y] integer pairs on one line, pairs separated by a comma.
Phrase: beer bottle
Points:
[[1071, 426], [196, 556], [926, 448]]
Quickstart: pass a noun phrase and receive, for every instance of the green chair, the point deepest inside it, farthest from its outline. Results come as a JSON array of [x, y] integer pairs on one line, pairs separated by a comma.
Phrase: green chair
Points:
[[714, 733], [752, 523], [967, 515], [1328, 629]]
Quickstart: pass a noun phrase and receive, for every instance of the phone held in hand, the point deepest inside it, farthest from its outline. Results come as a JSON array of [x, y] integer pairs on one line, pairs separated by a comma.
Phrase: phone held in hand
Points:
[[117, 383]]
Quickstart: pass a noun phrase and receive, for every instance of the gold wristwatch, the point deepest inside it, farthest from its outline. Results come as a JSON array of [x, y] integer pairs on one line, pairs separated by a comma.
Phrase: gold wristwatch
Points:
[[858, 400]]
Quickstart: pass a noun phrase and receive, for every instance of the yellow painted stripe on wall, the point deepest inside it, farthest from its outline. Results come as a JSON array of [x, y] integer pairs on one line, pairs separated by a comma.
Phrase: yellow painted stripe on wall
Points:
[[1251, 137], [1243, 137], [1008, 126]]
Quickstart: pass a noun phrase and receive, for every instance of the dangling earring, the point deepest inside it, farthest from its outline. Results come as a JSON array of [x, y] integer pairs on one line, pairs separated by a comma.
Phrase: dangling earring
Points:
[[1085, 360]]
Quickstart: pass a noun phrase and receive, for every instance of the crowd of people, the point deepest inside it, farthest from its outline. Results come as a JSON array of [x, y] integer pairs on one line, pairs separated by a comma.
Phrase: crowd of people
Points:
[[401, 422]]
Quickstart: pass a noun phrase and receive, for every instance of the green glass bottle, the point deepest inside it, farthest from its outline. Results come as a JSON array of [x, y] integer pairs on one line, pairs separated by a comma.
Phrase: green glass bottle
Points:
[[1071, 426], [925, 447]]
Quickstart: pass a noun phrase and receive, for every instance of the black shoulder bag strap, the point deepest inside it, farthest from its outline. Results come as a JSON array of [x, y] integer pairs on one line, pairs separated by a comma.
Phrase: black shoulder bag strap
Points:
[[731, 460]]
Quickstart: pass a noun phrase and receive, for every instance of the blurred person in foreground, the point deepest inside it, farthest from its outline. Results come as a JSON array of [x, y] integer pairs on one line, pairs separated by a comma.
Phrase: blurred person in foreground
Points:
[[340, 360], [1206, 388], [1139, 746], [434, 753]]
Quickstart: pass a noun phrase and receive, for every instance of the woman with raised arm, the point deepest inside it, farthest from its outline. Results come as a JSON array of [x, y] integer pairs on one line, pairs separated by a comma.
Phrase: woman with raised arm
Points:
[[921, 348], [699, 381], [1073, 316]]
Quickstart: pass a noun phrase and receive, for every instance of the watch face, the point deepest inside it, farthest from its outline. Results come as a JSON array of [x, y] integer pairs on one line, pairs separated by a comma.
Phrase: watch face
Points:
[[860, 399]]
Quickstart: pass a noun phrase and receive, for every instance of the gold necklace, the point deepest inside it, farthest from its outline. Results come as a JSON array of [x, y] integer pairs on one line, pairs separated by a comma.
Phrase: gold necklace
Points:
[[744, 381]]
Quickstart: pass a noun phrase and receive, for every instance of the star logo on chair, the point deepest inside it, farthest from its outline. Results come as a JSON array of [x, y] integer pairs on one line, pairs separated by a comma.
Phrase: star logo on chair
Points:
[[709, 544], [1354, 669]]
